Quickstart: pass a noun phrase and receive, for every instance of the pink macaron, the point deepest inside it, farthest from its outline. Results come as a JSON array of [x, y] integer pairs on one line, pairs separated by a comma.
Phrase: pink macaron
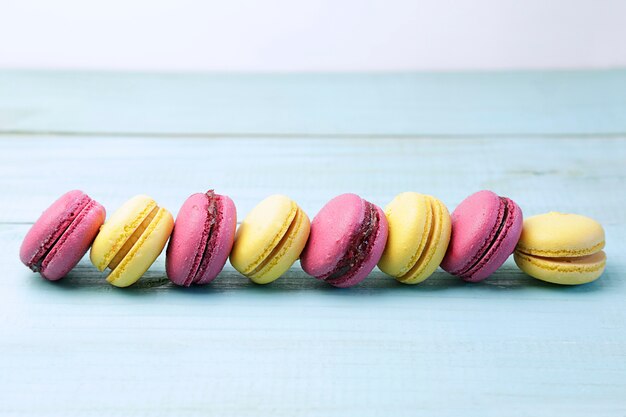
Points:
[[203, 236], [347, 239], [62, 235], [485, 230]]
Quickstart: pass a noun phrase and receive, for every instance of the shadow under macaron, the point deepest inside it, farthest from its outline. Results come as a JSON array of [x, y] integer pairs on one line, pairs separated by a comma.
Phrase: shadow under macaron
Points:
[[155, 283]]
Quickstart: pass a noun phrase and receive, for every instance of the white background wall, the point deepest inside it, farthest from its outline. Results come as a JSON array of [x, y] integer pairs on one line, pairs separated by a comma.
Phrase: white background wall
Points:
[[328, 35]]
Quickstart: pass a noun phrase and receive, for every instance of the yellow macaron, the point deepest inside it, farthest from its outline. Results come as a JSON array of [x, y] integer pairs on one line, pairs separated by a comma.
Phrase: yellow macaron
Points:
[[131, 240], [419, 234], [270, 239], [561, 248]]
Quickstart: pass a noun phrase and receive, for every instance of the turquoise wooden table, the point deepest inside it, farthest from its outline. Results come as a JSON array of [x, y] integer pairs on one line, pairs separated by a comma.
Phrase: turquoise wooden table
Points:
[[508, 346]]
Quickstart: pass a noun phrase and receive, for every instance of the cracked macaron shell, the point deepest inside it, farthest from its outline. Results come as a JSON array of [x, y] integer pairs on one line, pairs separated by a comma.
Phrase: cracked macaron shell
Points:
[[332, 233], [62, 235], [125, 224], [270, 239], [419, 233], [485, 231], [202, 239]]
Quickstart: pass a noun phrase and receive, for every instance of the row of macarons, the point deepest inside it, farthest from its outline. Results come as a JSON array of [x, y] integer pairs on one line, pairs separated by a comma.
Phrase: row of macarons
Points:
[[409, 240]]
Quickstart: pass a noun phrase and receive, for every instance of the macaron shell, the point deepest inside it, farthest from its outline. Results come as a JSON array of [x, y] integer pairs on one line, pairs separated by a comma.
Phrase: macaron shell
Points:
[[503, 246], [331, 233], [119, 228], [224, 237], [187, 239], [410, 217], [563, 271], [144, 252], [74, 243], [436, 247], [559, 234], [287, 252], [474, 223], [261, 231], [368, 264], [50, 225]]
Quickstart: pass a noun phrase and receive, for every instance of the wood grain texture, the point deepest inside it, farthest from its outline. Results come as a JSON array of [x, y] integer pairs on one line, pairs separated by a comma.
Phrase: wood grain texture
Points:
[[298, 347], [422, 104], [509, 346]]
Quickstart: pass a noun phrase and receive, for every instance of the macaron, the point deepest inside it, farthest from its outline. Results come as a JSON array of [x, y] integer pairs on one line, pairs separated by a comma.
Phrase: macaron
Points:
[[347, 239], [419, 233], [203, 236], [131, 240], [561, 248], [270, 239], [485, 230], [62, 235]]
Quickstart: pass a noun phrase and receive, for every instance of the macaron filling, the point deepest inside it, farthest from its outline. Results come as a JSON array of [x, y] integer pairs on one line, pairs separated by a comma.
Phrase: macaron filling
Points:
[[593, 259], [47, 249], [359, 248], [283, 244], [493, 241], [431, 240], [563, 270], [133, 238], [563, 252], [209, 239], [68, 232]]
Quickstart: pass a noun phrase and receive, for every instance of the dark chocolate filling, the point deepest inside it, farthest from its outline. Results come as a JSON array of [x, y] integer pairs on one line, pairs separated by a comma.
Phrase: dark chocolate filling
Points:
[[212, 221], [360, 245], [480, 258]]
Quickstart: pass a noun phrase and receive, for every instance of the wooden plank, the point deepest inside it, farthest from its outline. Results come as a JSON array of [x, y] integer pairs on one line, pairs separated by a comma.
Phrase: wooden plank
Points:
[[574, 174], [411, 104], [510, 345]]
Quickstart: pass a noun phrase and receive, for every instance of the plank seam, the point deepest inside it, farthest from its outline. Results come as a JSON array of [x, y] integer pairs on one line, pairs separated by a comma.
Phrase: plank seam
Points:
[[294, 135]]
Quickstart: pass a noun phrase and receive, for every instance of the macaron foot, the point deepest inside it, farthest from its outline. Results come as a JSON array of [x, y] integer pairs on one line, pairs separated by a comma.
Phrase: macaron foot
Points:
[[561, 248], [202, 239], [62, 235], [347, 239], [485, 230], [563, 271], [419, 233], [131, 240], [270, 239]]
